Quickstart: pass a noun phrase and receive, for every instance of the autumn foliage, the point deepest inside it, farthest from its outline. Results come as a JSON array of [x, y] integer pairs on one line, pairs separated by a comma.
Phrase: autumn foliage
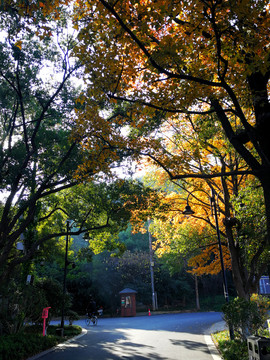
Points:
[[208, 262], [182, 85]]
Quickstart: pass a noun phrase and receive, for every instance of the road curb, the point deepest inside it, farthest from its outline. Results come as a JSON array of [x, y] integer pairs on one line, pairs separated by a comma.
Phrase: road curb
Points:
[[219, 326], [212, 347], [43, 353]]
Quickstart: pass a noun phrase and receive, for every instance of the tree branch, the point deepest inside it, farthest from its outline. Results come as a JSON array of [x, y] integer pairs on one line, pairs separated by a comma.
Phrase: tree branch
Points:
[[149, 56], [240, 148], [159, 107], [198, 175]]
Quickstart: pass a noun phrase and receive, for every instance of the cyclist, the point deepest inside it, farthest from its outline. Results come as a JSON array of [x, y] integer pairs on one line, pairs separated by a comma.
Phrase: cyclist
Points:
[[91, 308], [91, 312]]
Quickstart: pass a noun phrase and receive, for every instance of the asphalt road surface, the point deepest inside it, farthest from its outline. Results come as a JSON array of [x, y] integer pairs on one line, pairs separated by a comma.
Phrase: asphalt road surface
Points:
[[158, 337]]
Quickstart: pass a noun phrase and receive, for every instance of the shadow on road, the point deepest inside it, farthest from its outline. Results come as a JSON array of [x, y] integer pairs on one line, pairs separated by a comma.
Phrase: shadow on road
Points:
[[192, 345], [113, 346], [162, 337]]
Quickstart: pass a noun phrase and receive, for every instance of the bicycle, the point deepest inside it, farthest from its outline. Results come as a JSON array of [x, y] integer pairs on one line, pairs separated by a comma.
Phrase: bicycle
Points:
[[91, 318]]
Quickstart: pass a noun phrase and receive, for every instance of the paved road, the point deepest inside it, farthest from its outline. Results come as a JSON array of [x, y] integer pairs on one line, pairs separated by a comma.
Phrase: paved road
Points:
[[158, 337]]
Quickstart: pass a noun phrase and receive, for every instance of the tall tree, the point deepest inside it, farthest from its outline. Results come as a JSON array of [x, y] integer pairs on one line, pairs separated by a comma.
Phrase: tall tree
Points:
[[206, 57], [207, 152], [39, 154]]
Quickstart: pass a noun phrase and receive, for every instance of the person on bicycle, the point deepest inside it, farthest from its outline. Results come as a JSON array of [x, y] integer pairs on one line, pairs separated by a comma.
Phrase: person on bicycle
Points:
[[92, 307]]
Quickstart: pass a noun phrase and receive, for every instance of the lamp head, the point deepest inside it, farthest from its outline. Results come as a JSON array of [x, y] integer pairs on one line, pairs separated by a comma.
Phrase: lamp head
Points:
[[188, 211]]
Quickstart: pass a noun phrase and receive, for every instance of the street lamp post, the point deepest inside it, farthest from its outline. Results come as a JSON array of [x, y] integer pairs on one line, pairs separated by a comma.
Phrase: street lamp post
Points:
[[189, 211], [225, 284], [64, 281], [154, 298]]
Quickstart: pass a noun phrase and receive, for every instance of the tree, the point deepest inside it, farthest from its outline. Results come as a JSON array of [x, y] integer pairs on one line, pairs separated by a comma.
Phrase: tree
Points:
[[134, 241], [163, 59], [208, 151], [39, 153], [194, 238]]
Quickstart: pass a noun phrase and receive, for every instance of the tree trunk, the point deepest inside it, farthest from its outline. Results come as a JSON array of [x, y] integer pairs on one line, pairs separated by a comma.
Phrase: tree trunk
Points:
[[197, 293], [266, 190], [238, 273]]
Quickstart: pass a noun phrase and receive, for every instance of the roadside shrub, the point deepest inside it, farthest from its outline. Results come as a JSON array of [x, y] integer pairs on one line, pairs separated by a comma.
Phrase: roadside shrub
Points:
[[263, 305], [30, 341], [22, 346], [72, 316], [54, 295], [69, 330], [246, 317], [15, 307], [230, 349]]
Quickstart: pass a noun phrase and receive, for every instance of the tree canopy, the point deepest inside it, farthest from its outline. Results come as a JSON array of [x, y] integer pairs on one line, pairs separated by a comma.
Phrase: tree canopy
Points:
[[163, 60], [39, 151], [144, 71]]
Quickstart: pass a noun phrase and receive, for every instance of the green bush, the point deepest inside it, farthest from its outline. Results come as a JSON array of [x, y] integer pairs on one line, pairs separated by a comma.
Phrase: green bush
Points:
[[53, 290], [263, 304], [246, 317], [233, 349], [15, 301], [72, 316], [21, 346], [15, 309], [230, 349], [69, 331], [30, 342]]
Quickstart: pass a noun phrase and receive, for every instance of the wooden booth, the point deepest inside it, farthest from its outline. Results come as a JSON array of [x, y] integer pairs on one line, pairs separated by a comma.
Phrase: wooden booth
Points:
[[128, 302]]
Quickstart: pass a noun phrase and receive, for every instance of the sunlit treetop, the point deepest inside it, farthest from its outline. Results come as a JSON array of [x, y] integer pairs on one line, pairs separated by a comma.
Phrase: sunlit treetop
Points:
[[202, 265], [160, 43], [189, 57]]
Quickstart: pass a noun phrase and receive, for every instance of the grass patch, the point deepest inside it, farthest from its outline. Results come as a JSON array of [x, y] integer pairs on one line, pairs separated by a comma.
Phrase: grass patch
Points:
[[230, 349], [30, 341]]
